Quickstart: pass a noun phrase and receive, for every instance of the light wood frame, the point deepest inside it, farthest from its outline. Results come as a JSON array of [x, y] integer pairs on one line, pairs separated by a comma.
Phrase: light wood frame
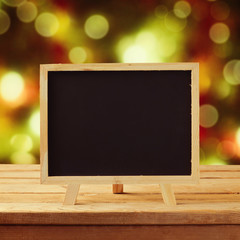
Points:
[[73, 180]]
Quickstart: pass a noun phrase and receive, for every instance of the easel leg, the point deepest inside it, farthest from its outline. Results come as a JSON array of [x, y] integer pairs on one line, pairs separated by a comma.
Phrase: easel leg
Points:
[[117, 188], [168, 194], [71, 194]]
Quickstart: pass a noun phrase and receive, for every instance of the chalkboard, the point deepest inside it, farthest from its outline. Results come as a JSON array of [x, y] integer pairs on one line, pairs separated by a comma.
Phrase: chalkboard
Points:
[[119, 121]]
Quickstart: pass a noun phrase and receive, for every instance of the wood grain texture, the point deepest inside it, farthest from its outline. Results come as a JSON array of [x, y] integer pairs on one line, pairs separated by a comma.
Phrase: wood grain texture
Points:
[[71, 194], [45, 68], [215, 200], [168, 195], [189, 232], [117, 188]]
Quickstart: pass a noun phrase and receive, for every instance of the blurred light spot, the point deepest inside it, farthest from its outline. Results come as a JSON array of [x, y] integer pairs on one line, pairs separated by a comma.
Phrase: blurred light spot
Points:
[[161, 11], [219, 33], [122, 44], [205, 81], [47, 24], [21, 142], [208, 115], [22, 158], [96, 26], [147, 40], [4, 22], [65, 28], [238, 136], [213, 161], [34, 122], [174, 23], [11, 86], [226, 149], [134, 54], [220, 10], [223, 89], [182, 9], [231, 72], [77, 55], [13, 3], [166, 47], [27, 12]]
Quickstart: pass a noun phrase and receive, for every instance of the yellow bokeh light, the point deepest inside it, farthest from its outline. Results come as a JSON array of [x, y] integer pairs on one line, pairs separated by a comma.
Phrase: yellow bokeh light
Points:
[[27, 12], [96, 26], [65, 28], [77, 55], [21, 142], [223, 89], [182, 9], [208, 115], [174, 23], [213, 161], [219, 33], [135, 54], [34, 123], [4, 22], [11, 86], [231, 72], [238, 137], [22, 158], [13, 3], [47, 24]]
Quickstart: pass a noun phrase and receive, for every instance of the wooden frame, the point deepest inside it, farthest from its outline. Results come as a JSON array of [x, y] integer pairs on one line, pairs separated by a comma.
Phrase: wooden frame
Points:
[[74, 180]]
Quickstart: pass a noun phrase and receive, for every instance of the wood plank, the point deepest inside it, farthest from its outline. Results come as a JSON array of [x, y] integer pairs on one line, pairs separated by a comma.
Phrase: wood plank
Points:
[[204, 187], [130, 213], [20, 174], [199, 232], [90, 198], [19, 167]]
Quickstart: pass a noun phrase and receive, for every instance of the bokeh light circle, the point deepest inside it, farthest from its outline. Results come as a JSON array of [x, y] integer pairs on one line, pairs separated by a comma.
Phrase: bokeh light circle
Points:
[[4, 22], [13, 3], [208, 115], [22, 158], [21, 142], [96, 26], [27, 12], [231, 72], [182, 9], [219, 33], [135, 54], [174, 23], [47, 24], [34, 122], [11, 86], [77, 55]]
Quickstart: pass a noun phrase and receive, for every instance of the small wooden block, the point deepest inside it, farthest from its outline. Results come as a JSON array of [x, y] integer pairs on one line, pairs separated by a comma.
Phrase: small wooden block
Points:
[[71, 194], [117, 188], [168, 195]]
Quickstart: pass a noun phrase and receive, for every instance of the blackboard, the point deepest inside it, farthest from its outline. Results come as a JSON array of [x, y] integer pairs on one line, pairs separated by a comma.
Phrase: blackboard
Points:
[[115, 122]]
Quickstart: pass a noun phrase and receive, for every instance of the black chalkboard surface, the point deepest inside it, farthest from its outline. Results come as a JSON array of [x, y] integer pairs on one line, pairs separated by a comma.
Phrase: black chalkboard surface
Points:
[[117, 123]]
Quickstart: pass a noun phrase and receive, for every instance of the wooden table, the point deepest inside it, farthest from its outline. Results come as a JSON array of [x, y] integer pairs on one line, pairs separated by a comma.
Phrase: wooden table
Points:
[[210, 210]]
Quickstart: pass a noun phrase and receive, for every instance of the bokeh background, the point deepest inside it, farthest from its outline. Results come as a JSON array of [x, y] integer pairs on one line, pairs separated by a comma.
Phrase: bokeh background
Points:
[[67, 31]]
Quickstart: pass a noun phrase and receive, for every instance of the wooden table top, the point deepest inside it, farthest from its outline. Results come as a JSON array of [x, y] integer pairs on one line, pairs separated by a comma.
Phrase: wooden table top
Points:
[[215, 200]]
